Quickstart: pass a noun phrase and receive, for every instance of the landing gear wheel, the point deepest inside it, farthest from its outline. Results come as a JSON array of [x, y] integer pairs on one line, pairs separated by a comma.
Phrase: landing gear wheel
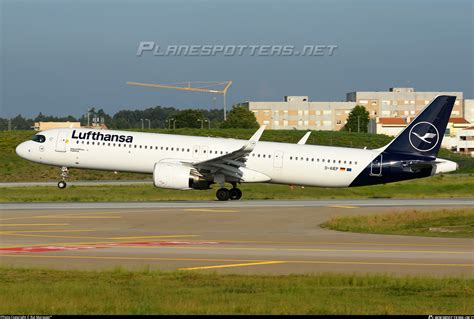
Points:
[[64, 176], [223, 194], [235, 194]]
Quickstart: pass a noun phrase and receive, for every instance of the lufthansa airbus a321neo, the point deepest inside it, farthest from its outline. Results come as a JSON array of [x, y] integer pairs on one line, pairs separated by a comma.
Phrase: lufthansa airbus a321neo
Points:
[[190, 162]]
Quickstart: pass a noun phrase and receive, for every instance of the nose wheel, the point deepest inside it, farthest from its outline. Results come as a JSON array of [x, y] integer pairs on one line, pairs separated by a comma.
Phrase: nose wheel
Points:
[[224, 194], [64, 176]]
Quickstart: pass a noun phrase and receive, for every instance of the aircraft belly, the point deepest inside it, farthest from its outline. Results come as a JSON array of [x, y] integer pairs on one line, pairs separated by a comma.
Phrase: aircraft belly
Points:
[[315, 177]]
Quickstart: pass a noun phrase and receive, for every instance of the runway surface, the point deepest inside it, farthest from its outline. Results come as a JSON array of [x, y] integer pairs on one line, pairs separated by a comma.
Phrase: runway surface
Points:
[[271, 237], [78, 183]]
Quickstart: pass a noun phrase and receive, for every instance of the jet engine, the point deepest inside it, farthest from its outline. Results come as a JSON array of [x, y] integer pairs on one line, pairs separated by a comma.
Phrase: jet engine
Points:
[[177, 176]]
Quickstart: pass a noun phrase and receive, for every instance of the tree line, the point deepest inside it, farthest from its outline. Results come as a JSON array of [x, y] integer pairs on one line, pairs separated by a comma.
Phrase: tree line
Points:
[[169, 117], [153, 117]]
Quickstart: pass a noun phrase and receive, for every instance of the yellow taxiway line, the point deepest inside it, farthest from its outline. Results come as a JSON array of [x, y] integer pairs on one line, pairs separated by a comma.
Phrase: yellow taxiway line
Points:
[[337, 243], [20, 225], [57, 215], [79, 217], [13, 233], [234, 265], [236, 260], [211, 210], [152, 237], [311, 249], [47, 231]]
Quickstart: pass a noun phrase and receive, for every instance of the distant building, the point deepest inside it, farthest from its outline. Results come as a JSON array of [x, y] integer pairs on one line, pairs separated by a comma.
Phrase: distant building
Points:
[[41, 126], [469, 110], [455, 124], [297, 112], [465, 142], [387, 125], [451, 137], [393, 125], [400, 102]]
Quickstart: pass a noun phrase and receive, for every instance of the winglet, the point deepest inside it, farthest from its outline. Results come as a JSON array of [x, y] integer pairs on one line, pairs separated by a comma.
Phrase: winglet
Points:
[[254, 139], [304, 139]]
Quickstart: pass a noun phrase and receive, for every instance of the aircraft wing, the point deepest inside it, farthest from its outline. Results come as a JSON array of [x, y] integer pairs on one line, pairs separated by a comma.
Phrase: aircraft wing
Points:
[[229, 164], [304, 138]]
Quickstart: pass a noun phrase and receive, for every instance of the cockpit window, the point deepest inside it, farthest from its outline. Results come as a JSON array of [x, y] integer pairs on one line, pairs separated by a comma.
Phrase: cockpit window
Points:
[[39, 138]]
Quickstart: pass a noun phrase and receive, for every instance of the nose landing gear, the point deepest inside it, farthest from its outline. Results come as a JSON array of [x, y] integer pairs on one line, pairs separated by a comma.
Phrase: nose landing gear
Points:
[[64, 176]]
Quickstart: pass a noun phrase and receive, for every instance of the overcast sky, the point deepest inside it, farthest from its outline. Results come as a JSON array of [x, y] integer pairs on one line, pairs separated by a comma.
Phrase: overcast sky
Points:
[[61, 57]]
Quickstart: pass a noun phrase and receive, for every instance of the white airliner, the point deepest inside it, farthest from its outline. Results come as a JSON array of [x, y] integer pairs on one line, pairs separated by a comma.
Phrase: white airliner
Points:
[[190, 162]]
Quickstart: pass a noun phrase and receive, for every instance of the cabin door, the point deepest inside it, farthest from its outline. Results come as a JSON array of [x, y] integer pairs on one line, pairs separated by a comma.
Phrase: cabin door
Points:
[[61, 141], [278, 159], [376, 166]]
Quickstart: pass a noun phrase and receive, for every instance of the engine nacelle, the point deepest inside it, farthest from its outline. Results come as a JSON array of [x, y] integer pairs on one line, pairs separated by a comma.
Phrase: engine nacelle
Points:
[[175, 176]]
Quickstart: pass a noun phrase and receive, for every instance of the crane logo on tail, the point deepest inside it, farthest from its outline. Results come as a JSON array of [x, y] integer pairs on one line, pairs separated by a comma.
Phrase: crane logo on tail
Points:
[[424, 136]]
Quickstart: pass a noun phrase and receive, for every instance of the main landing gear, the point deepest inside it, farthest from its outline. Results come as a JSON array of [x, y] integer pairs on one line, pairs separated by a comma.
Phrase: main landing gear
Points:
[[224, 194], [64, 176]]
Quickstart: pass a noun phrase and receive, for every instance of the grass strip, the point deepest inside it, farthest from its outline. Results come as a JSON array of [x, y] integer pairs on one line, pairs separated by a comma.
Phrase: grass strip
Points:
[[440, 223], [33, 291], [431, 187]]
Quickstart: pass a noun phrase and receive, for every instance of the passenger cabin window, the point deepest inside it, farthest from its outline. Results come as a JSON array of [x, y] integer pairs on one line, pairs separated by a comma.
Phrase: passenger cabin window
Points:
[[39, 138]]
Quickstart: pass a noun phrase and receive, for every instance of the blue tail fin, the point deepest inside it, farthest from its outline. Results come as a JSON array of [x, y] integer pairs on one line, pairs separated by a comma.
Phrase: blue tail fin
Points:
[[425, 133]]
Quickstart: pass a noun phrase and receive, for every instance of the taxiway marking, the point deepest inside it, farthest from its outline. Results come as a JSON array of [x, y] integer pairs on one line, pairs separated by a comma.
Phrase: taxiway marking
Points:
[[321, 250], [13, 233], [206, 210], [57, 215], [49, 231], [234, 265], [342, 243], [234, 260], [148, 237], [18, 225], [80, 217]]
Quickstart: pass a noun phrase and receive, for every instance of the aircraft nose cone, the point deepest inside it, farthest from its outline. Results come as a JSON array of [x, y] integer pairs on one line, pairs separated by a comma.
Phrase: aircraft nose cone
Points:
[[21, 150]]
